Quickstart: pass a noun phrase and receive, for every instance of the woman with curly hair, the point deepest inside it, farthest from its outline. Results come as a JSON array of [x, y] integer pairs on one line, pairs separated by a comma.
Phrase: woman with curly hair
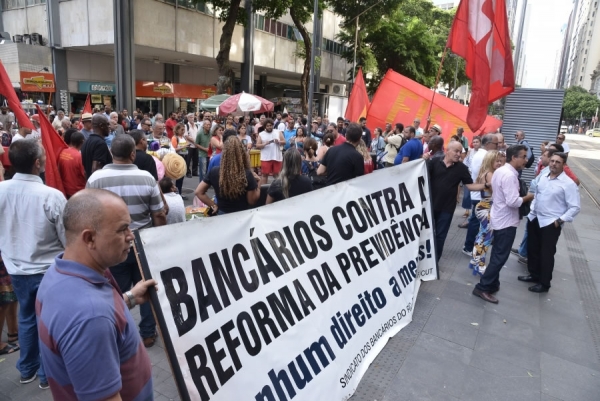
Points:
[[491, 162], [234, 183]]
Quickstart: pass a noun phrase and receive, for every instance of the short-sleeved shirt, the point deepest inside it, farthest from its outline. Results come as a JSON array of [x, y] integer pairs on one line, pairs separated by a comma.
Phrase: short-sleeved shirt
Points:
[[444, 183], [412, 149], [366, 136], [94, 149], [230, 205], [89, 342], [343, 163], [145, 162], [71, 171], [298, 185], [202, 139], [288, 134], [138, 189], [169, 125]]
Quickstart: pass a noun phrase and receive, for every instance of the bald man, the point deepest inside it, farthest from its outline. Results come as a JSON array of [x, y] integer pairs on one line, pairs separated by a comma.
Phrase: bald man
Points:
[[88, 339], [445, 175]]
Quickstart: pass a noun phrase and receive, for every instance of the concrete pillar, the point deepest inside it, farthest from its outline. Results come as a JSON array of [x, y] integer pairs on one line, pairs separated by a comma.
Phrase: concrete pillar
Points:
[[124, 54], [171, 76], [248, 65], [62, 99]]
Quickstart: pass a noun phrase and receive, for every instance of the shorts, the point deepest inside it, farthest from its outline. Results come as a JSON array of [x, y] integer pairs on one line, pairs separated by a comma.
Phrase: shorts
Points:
[[270, 167]]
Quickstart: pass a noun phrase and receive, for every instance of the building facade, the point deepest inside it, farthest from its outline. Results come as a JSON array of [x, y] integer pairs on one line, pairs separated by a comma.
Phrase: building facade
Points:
[[175, 45]]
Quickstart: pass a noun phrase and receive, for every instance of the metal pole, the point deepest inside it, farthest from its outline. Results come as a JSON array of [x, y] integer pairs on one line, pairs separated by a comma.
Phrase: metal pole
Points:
[[355, 44], [313, 50]]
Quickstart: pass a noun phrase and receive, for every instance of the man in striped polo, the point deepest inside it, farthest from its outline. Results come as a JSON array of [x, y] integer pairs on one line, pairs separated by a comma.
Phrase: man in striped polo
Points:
[[140, 192]]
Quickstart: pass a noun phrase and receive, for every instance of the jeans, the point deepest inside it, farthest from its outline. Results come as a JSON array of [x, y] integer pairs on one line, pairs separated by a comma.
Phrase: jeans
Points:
[[30, 362], [192, 160], [523, 247], [442, 222], [466, 201], [127, 274], [503, 240], [202, 165], [473, 227], [542, 248]]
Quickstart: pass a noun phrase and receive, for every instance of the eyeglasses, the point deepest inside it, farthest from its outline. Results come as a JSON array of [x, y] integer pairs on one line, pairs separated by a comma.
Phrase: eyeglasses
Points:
[[562, 138]]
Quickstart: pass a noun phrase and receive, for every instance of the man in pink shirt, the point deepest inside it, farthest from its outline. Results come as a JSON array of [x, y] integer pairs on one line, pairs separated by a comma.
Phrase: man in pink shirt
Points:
[[504, 219]]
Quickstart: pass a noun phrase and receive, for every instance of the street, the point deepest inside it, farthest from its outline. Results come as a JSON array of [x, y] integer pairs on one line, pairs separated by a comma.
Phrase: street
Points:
[[542, 347]]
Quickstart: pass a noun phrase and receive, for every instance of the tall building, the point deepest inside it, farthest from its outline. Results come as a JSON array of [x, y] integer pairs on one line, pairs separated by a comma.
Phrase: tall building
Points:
[[564, 63], [446, 4], [520, 40], [511, 13], [66, 49], [586, 51]]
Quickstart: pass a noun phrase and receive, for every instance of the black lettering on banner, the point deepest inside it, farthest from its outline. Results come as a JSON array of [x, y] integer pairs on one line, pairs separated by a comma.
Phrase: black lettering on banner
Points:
[[293, 244], [332, 283], [397, 236], [337, 214], [200, 371], [424, 219], [304, 299], [389, 241], [354, 211], [318, 285], [261, 315], [344, 264], [177, 298], [325, 243], [279, 247], [301, 228], [265, 262], [421, 180], [225, 277], [357, 260], [383, 246], [240, 251], [232, 343], [377, 196], [390, 200], [202, 281], [216, 356], [368, 252], [405, 200], [370, 212], [283, 307], [252, 348], [407, 231], [396, 290]]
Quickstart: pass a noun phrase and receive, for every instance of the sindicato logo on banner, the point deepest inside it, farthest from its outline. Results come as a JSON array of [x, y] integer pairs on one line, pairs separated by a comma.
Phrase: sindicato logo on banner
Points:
[[294, 299]]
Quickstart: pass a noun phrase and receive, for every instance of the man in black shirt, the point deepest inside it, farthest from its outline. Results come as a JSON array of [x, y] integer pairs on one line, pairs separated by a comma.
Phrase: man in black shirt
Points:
[[366, 132], [343, 162], [95, 153], [142, 159], [445, 175]]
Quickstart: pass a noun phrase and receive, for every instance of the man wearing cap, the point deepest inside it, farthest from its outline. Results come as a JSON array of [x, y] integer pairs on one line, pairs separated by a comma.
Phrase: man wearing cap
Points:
[[435, 130], [86, 120]]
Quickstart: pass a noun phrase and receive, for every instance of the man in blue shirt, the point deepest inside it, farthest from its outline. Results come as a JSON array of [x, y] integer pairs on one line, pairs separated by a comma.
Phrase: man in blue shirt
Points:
[[412, 150], [289, 133]]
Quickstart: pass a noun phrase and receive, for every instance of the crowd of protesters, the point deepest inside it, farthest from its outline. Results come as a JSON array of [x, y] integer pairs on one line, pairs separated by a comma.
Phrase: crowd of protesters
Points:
[[124, 172]]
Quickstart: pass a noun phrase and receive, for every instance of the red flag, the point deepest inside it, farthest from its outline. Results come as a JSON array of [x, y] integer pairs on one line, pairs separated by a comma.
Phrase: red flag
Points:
[[53, 144], [358, 104], [7, 90], [400, 100], [87, 108], [480, 35]]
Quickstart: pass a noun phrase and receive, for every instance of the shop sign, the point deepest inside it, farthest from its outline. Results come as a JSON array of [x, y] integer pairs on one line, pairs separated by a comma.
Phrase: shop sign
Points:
[[37, 82], [64, 99], [96, 99], [173, 90], [96, 87]]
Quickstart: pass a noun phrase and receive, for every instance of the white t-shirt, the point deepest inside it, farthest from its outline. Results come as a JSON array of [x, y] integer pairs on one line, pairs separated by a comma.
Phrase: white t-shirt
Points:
[[475, 167], [566, 147], [176, 208], [272, 151]]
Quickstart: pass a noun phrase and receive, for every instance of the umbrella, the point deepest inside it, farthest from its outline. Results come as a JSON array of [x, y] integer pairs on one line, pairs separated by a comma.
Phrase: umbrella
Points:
[[213, 102], [244, 103]]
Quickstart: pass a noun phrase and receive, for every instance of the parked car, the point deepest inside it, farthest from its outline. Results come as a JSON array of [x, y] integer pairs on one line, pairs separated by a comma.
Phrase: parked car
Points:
[[564, 129], [593, 132]]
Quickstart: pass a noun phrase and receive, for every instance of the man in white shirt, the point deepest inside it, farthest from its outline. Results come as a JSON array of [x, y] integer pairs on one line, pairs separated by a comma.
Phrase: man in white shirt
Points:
[[58, 121], [560, 139], [269, 142], [27, 252], [488, 142], [556, 201], [24, 133], [191, 131]]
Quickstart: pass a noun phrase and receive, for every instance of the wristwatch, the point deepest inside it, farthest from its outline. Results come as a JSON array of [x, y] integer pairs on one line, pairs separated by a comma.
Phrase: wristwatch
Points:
[[560, 222], [131, 298]]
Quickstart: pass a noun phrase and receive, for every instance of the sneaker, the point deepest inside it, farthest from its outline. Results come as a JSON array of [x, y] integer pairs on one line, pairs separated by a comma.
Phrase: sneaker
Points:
[[464, 251], [25, 380], [44, 385], [515, 251], [523, 260]]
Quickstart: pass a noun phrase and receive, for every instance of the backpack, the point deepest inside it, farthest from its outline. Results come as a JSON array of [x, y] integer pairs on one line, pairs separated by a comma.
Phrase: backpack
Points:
[[6, 139], [532, 158]]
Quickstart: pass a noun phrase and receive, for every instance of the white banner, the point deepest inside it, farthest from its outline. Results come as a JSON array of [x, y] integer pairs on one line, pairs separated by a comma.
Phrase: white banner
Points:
[[293, 299]]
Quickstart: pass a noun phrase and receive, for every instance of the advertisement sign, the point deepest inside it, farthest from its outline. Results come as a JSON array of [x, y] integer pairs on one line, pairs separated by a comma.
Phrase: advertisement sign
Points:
[[293, 299], [37, 82], [105, 88], [166, 89]]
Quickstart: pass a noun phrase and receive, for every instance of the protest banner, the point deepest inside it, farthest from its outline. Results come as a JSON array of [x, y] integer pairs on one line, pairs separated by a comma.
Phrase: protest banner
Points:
[[293, 299]]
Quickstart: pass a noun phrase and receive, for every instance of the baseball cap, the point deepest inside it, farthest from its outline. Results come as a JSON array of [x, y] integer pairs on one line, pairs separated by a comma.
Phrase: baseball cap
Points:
[[86, 116]]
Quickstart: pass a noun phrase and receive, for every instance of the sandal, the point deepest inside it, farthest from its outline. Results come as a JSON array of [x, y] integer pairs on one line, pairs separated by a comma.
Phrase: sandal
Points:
[[466, 213], [463, 225], [13, 338], [9, 349]]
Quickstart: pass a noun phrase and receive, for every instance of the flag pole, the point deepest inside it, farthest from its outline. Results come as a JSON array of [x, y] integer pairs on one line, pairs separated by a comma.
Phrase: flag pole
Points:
[[437, 81]]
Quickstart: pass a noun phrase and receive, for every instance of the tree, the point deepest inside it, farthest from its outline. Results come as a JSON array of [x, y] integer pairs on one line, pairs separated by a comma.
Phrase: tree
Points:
[[577, 103], [454, 67]]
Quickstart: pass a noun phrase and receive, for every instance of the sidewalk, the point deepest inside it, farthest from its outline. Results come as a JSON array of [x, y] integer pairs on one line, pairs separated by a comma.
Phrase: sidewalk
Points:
[[458, 347]]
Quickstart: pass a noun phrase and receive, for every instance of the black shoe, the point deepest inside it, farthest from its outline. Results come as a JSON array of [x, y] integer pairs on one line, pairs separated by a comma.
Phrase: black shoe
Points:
[[528, 279], [188, 175], [523, 260], [44, 385], [515, 251], [539, 288], [25, 380], [195, 174], [184, 197]]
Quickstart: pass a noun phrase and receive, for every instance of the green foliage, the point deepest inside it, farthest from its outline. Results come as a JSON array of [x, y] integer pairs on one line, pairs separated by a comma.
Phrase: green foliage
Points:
[[300, 52], [578, 101]]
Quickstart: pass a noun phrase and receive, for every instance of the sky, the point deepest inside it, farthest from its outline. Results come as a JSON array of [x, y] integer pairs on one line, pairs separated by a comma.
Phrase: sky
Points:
[[544, 40]]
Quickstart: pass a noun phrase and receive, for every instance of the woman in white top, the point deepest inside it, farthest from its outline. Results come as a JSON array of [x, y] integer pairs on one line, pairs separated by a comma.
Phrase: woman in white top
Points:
[[176, 207]]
